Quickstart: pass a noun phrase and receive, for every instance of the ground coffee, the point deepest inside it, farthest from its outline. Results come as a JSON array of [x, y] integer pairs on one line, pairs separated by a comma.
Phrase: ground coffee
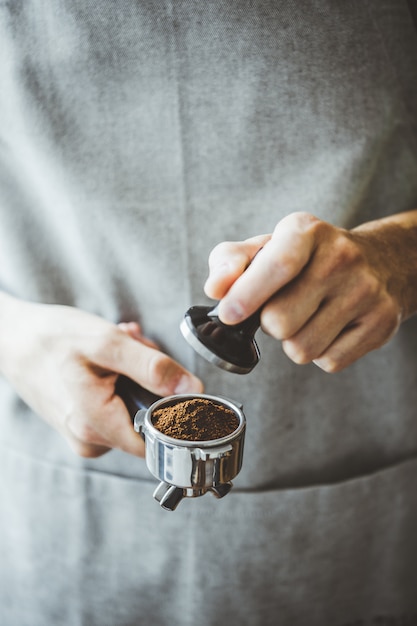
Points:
[[198, 419]]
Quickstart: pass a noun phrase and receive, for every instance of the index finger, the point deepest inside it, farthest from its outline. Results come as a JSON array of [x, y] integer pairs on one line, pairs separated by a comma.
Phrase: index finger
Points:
[[147, 366], [280, 261], [227, 261]]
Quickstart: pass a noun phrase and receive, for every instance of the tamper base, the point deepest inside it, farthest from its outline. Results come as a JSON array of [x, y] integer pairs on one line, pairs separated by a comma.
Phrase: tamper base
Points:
[[232, 348]]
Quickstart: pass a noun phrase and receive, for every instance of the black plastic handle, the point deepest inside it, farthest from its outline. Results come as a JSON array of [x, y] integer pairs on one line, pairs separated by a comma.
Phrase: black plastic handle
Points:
[[134, 396]]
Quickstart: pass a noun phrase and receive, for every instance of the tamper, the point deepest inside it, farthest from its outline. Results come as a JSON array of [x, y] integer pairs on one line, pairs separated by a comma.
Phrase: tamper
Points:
[[231, 347], [185, 468]]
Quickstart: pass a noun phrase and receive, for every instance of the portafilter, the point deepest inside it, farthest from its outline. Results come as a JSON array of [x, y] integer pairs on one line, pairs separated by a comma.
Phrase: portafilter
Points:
[[185, 468]]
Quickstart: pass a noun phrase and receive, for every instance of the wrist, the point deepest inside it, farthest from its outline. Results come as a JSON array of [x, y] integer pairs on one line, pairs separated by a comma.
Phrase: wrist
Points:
[[391, 246]]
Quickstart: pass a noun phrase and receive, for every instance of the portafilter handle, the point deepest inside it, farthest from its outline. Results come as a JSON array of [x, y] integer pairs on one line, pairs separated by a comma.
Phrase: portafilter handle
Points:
[[134, 396]]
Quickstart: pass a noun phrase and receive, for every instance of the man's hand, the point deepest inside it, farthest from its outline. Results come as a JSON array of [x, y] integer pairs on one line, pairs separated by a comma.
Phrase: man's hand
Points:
[[329, 294], [65, 363]]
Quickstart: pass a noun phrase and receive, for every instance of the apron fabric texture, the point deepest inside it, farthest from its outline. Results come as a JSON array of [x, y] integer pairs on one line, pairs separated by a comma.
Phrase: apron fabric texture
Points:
[[135, 136]]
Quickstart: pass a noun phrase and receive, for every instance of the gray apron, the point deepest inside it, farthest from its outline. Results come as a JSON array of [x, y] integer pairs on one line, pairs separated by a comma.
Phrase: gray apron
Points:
[[134, 136]]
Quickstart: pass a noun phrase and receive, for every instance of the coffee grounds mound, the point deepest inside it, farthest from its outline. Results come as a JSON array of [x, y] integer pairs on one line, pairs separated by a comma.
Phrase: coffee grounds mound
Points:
[[198, 419]]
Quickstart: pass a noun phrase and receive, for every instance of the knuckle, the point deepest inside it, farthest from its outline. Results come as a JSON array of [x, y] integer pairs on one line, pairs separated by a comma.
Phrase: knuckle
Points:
[[82, 431], [106, 345], [366, 289], [329, 364], [300, 221], [291, 244], [284, 264], [284, 261], [343, 255], [159, 368], [275, 324], [221, 251], [345, 249], [84, 450], [296, 226], [386, 323], [296, 352]]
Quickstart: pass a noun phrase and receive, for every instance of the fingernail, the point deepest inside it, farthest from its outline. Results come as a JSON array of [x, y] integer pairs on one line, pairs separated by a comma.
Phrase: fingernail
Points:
[[188, 384], [231, 313]]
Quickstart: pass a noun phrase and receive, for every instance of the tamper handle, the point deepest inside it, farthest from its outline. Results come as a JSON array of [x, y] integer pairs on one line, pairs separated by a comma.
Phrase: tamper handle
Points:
[[134, 396]]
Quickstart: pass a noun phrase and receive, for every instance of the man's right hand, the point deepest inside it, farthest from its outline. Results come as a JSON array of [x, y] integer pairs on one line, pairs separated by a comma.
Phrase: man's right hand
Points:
[[64, 363]]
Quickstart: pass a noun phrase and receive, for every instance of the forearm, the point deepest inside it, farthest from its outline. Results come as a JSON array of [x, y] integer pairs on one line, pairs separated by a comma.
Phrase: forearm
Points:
[[394, 243]]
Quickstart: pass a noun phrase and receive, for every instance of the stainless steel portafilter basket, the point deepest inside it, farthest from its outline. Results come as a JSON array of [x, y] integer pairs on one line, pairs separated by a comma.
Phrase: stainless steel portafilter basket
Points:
[[185, 469]]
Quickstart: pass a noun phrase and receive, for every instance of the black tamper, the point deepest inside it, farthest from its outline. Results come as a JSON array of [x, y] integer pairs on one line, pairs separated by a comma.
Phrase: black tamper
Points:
[[231, 347]]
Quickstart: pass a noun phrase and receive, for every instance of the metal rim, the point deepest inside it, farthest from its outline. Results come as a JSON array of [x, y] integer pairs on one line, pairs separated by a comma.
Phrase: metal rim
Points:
[[203, 351], [185, 443]]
